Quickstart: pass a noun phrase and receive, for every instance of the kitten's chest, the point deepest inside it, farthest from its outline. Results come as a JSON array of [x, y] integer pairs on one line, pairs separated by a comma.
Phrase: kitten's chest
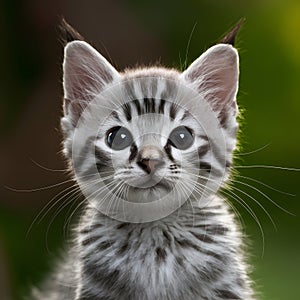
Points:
[[154, 260]]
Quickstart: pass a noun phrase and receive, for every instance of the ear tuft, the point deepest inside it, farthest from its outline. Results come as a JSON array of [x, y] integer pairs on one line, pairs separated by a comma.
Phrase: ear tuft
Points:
[[68, 33], [230, 36]]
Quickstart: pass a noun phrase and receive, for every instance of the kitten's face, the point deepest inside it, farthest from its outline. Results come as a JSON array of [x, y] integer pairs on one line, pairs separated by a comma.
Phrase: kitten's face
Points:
[[151, 152], [149, 135]]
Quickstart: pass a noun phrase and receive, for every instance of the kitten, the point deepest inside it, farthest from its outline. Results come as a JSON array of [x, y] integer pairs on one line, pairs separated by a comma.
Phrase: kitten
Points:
[[150, 148]]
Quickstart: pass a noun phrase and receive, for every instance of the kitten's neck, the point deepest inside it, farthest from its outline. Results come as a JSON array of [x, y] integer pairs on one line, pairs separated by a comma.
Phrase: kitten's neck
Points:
[[192, 213]]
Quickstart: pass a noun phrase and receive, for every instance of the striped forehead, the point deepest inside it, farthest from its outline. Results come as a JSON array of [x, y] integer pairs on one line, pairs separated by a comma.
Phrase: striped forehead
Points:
[[138, 107], [156, 93], [151, 87]]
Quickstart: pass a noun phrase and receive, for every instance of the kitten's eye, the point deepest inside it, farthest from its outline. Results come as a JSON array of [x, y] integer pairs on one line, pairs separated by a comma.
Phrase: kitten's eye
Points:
[[181, 138], [118, 138]]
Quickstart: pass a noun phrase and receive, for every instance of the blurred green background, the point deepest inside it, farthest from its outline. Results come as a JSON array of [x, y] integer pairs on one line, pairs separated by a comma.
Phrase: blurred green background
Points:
[[146, 32]]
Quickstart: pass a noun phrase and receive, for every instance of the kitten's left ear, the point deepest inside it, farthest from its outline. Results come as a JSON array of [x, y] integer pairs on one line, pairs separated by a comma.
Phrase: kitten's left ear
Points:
[[215, 75], [85, 74]]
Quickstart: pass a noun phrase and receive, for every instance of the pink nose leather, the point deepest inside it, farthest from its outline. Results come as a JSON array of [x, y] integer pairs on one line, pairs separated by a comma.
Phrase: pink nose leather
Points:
[[150, 165], [150, 158]]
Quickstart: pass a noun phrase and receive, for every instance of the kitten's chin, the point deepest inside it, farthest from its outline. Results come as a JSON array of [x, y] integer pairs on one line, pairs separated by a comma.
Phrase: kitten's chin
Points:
[[147, 195]]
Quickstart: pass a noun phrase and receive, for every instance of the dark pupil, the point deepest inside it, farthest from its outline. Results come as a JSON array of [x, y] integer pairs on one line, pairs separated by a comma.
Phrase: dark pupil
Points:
[[181, 138], [119, 138]]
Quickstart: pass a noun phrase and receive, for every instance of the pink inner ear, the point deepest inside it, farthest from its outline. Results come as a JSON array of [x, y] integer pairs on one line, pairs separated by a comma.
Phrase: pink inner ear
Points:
[[86, 73], [220, 87], [85, 80], [215, 75]]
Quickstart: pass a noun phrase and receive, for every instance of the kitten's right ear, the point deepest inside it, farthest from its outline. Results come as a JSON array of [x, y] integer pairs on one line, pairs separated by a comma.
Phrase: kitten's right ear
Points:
[[215, 75], [85, 74]]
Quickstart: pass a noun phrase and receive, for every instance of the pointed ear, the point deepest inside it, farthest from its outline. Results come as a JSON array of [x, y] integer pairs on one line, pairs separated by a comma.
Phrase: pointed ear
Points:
[[85, 74], [215, 75]]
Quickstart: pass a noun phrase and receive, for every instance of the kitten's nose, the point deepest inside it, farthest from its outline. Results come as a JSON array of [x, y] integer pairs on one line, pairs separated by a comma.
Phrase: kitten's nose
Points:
[[150, 158], [150, 165]]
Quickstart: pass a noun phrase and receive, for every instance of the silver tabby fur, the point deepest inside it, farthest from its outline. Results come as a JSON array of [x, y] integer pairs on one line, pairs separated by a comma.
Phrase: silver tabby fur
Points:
[[194, 253]]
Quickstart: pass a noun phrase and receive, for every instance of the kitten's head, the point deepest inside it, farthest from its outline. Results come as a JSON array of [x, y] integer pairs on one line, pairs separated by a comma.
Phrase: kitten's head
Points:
[[149, 139]]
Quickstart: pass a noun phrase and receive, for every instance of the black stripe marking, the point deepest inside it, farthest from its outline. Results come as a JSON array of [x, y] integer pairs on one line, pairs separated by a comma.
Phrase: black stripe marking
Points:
[[115, 116], [123, 225], [90, 240], [123, 248], [215, 255], [202, 237], [133, 152], [167, 237], [223, 117], [153, 105], [101, 156], [161, 108], [147, 105], [161, 255], [137, 106], [168, 151], [202, 150], [84, 152], [241, 282], [204, 137], [187, 244], [217, 153], [90, 228], [127, 111], [228, 164], [100, 166], [104, 245], [205, 166], [103, 162], [173, 111], [179, 261], [185, 115], [225, 294], [102, 277], [206, 214], [216, 230]]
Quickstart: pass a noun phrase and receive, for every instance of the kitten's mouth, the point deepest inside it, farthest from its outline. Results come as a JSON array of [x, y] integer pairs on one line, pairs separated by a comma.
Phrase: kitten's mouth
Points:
[[155, 186], [149, 183]]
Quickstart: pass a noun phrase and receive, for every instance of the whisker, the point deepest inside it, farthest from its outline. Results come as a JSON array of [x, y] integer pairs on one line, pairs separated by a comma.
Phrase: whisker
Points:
[[60, 209], [40, 188], [268, 167], [188, 47], [242, 202], [254, 151], [67, 193], [48, 169], [266, 185], [39, 217], [264, 195], [258, 203], [70, 216], [48, 186]]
